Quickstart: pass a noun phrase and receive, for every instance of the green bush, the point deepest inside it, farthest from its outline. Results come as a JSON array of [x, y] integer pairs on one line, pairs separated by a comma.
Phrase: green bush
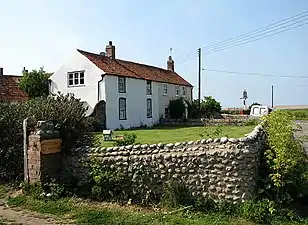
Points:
[[176, 108], [284, 164], [66, 112], [175, 194], [107, 182], [128, 139]]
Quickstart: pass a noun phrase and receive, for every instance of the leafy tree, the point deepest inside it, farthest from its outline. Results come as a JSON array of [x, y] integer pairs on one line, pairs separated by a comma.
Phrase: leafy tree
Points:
[[210, 106], [35, 83], [193, 109], [176, 108]]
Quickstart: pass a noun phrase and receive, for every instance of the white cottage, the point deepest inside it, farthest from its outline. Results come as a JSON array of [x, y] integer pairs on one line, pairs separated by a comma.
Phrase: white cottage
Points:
[[124, 94]]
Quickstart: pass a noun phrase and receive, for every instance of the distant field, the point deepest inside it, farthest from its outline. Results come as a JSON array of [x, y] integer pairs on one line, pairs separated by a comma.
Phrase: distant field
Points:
[[298, 114]]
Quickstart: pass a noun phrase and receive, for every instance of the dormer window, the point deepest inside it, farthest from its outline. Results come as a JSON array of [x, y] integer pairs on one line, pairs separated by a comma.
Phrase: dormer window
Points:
[[75, 78], [149, 87]]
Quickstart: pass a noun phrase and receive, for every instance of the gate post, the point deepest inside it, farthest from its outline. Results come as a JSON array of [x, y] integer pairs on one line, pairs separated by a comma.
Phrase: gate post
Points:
[[44, 158]]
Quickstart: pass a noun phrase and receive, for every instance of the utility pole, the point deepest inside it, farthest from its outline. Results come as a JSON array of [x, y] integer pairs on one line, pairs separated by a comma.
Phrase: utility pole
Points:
[[199, 79], [272, 96]]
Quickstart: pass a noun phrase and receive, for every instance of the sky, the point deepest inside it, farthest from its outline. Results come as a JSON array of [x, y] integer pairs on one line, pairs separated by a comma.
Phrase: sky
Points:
[[37, 33]]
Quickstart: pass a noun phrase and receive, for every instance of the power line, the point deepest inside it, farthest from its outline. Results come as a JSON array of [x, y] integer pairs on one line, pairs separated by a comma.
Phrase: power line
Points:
[[254, 35], [254, 74], [256, 31], [252, 40]]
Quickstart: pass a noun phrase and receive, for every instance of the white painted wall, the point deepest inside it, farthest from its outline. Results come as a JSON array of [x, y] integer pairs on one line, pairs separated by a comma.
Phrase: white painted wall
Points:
[[108, 90], [135, 103], [171, 94], [89, 91]]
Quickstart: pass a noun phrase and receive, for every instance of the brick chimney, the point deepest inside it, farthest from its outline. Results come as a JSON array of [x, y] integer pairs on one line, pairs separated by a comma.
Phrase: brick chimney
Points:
[[1, 71], [170, 64], [24, 70], [110, 50]]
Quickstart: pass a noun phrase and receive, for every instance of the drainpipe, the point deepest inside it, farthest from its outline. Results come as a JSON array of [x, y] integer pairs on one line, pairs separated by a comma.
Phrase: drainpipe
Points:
[[98, 88]]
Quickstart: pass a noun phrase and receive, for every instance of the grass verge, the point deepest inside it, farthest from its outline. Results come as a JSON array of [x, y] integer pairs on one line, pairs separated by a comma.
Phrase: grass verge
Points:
[[83, 213]]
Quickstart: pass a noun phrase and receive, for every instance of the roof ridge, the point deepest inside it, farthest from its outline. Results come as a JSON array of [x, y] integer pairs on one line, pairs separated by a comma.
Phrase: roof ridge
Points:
[[127, 68], [142, 64]]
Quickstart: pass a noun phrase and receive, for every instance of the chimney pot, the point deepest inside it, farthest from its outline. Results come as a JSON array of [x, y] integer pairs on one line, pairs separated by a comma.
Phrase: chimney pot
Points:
[[1, 71], [110, 50], [170, 64]]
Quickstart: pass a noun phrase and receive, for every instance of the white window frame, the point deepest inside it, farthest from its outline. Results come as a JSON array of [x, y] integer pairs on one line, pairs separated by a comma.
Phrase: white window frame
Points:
[[122, 111], [165, 89], [122, 84], [76, 78], [149, 87], [184, 91], [149, 108], [177, 91]]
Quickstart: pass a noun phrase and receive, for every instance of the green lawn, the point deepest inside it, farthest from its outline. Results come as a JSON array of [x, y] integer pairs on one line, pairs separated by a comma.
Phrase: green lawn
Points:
[[172, 134]]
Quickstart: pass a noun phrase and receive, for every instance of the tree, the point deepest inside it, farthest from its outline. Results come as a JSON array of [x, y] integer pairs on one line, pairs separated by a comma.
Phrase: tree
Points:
[[176, 108], [210, 106], [35, 83]]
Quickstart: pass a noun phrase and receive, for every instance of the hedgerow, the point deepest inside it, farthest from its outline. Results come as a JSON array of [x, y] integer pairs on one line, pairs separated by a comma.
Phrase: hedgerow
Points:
[[66, 112]]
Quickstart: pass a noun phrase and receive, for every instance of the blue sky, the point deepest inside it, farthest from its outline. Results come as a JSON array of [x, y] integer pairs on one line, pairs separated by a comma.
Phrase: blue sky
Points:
[[38, 33]]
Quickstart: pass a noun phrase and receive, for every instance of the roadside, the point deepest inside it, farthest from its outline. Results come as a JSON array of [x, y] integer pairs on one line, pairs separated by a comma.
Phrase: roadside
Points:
[[19, 216], [302, 133]]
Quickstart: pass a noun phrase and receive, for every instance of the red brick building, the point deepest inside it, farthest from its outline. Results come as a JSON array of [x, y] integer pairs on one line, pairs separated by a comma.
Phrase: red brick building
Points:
[[9, 88]]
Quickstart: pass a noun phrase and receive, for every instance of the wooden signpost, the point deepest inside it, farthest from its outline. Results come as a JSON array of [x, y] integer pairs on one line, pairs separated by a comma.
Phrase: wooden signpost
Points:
[[51, 146]]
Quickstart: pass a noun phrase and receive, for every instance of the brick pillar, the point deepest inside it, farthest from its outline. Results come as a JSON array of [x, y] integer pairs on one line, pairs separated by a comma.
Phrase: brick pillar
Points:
[[44, 156]]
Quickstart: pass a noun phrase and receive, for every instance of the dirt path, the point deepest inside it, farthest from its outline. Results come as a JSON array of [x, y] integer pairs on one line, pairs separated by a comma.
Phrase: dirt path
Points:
[[17, 216], [22, 217]]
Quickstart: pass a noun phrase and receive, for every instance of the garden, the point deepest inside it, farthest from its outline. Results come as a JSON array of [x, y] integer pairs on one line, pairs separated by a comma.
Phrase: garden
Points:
[[282, 184]]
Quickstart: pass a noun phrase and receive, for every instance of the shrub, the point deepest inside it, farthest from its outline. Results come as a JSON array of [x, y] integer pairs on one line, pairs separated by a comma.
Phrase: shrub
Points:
[[107, 183], [66, 112], [210, 106], [284, 175], [128, 139], [176, 194], [176, 108]]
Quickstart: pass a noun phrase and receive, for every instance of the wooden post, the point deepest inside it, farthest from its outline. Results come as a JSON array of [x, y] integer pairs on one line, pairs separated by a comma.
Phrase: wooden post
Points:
[[24, 124]]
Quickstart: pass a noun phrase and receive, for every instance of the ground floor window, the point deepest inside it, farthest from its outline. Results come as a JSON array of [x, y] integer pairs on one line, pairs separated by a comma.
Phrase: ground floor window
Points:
[[149, 108], [122, 108]]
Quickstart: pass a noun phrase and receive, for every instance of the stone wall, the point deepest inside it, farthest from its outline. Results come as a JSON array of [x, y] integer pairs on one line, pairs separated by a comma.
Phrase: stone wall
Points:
[[44, 158], [225, 168], [227, 119]]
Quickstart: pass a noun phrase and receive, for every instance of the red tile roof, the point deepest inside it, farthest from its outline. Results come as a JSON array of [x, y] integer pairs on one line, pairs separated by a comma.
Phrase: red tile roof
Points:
[[134, 70], [9, 89]]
